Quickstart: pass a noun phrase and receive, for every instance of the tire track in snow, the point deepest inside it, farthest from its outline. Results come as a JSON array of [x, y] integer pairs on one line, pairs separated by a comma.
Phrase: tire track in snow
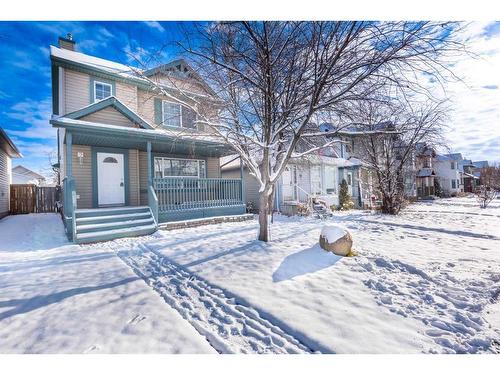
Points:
[[228, 325]]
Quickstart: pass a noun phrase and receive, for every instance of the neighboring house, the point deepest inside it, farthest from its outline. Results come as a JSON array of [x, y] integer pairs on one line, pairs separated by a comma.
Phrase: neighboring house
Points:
[[313, 176], [469, 180], [130, 157], [448, 173], [478, 166], [23, 175], [7, 151], [425, 172]]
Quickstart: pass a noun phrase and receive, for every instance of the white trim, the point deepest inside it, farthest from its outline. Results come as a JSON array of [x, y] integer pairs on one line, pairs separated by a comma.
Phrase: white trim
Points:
[[170, 158], [104, 84]]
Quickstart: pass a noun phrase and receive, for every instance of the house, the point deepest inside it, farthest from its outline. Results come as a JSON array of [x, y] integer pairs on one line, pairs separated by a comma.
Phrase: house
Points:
[[469, 180], [130, 157], [316, 176], [7, 151], [448, 173], [23, 175], [425, 175]]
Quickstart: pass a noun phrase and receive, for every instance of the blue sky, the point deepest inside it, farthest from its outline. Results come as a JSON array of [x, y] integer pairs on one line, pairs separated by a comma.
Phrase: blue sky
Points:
[[25, 87]]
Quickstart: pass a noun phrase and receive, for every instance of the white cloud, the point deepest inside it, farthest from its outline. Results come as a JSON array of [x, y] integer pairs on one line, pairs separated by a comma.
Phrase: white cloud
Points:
[[35, 115], [155, 25], [475, 120]]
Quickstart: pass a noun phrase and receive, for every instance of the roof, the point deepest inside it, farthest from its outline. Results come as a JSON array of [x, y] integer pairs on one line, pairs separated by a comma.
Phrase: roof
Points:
[[113, 68], [110, 101], [481, 164], [449, 157], [135, 137], [425, 172], [8, 146], [19, 169]]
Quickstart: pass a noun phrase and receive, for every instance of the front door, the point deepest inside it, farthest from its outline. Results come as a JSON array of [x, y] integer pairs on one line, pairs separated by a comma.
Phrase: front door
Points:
[[110, 179], [289, 183]]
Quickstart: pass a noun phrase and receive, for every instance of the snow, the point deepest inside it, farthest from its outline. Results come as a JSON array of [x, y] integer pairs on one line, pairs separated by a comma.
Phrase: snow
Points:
[[57, 297], [426, 281], [332, 233]]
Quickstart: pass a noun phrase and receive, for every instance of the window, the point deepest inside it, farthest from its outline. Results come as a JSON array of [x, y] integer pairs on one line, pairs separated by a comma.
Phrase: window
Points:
[[452, 165], [177, 115], [110, 159], [168, 167], [453, 184], [349, 179], [330, 180], [102, 90]]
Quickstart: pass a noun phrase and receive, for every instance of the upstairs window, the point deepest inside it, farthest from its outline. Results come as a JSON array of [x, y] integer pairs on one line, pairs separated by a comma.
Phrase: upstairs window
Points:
[[452, 165], [102, 90], [177, 115]]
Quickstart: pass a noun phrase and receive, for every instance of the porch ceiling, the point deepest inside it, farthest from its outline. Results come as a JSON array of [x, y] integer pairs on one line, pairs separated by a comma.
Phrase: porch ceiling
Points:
[[129, 138]]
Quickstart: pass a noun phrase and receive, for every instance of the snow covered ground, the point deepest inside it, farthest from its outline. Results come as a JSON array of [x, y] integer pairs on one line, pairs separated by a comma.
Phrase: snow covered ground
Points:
[[425, 281], [56, 297]]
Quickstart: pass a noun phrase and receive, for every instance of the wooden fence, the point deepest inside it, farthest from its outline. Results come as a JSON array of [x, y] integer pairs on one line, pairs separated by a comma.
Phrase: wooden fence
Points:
[[26, 199]]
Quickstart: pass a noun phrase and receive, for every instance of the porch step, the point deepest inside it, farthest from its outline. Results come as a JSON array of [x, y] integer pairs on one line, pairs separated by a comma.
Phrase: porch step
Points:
[[108, 211], [103, 224], [111, 218], [107, 235]]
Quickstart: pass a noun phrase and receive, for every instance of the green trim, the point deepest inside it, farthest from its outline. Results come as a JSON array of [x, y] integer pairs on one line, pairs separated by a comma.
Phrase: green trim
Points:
[[110, 102], [136, 134], [158, 108], [92, 81], [95, 184], [55, 89]]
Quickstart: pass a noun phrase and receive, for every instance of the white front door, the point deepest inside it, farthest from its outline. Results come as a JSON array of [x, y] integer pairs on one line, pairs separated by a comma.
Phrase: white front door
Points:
[[289, 180], [349, 183], [110, 179]]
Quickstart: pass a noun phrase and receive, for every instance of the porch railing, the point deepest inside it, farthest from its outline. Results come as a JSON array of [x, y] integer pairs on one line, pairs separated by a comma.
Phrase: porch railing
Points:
[[69, 203], [184, 193]]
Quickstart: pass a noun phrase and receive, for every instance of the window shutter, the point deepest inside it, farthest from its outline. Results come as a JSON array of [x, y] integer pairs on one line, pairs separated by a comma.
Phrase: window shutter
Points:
[[158, 111], [188, 118]]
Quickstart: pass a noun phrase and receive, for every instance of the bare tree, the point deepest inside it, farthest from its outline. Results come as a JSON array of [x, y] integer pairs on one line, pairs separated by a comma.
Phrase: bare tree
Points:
[[275, 82], [392, 156], [490, 185]]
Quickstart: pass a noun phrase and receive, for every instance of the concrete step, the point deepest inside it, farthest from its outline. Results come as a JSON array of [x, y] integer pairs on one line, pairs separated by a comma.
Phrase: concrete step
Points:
[[86, 228], [111, 218], [106, 235], [94, 212]]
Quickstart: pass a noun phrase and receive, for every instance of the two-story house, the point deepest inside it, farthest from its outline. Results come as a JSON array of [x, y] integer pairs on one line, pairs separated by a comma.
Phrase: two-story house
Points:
[[131, 157], [448, 173], [425, 175]]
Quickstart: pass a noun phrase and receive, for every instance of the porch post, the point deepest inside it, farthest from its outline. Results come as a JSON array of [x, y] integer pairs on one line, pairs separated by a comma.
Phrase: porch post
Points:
[[150, 174], [69, 154], [241, 185]]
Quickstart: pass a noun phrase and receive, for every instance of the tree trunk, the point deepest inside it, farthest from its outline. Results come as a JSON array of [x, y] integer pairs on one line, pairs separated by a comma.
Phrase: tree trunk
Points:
[[263, 217]]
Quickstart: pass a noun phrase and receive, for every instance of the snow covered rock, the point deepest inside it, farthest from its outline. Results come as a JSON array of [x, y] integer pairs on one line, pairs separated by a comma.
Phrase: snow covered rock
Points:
[[335, 239]]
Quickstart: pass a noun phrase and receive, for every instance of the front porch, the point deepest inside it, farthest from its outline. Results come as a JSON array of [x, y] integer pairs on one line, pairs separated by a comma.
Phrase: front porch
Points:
[[145, 181]]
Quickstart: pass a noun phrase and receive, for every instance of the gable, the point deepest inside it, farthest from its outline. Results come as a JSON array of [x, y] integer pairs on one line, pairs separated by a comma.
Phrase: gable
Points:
[[109, 116]]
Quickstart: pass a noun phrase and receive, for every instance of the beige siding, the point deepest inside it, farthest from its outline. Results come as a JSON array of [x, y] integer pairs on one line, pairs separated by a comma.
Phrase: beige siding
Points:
[[76, 90], [133, 175], [143, 177], [110, 116], [250, 185], [127, 94], [145, 102], [213, 169], [83, 176], [4, 183]]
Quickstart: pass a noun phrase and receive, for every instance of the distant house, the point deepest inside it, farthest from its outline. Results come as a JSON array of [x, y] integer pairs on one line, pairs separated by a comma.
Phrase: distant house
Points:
[[23, 175], [425, 172], [469, 180], [448, 173], [7, 151]]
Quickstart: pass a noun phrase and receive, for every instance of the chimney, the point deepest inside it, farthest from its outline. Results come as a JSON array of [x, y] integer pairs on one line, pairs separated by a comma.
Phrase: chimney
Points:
[[67, 42]]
